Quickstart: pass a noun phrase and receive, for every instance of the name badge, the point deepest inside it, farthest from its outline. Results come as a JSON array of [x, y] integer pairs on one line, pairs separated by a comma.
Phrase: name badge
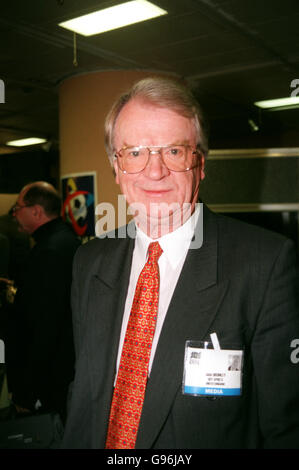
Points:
[[211, 371]]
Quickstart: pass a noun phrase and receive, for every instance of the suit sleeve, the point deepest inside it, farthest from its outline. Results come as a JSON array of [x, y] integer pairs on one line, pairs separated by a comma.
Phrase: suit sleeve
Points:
[[277, 376]]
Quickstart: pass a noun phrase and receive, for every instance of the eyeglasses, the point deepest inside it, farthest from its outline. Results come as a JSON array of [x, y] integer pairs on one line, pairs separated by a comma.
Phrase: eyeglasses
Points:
[[16, 207], [174, 157]]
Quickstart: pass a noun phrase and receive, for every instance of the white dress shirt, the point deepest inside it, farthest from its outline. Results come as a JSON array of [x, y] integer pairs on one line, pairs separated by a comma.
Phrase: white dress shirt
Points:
[[175, 246]]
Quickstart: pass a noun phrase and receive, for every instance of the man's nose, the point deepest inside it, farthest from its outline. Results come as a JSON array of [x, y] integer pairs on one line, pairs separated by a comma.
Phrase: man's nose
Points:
[[155, 167]]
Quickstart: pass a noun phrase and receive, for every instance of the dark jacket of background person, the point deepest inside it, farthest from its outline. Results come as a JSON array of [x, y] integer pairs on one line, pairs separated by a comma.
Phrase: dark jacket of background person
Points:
[[19, 247], [4, 255], [4, 262], [40, 347]]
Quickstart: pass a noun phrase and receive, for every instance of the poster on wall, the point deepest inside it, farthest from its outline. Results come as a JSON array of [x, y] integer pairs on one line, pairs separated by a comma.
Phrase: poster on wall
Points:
[[79, 201]]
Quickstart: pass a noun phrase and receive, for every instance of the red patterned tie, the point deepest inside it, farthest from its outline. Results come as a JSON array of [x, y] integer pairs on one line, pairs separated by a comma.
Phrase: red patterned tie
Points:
[[130, 386]]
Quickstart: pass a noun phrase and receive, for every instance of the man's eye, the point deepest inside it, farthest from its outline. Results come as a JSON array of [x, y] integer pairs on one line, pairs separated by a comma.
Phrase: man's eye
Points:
[[134, 153], [174, 152]]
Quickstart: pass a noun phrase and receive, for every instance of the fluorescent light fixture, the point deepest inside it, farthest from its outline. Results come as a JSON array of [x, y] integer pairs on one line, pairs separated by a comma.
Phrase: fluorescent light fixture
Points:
[[278, 103], [25, 142], [114, 17]]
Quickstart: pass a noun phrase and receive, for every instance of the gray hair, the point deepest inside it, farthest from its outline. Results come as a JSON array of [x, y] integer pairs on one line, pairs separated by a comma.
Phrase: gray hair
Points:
[[165, 93]]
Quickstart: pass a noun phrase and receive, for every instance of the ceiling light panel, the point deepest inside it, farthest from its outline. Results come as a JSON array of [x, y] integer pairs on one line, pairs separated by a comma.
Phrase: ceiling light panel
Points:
[[113, 18], [25, 142], [278, 103]]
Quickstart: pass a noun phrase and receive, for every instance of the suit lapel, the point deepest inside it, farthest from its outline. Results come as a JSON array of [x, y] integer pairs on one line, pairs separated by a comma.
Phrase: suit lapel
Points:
[[106, 300], [194, 305]]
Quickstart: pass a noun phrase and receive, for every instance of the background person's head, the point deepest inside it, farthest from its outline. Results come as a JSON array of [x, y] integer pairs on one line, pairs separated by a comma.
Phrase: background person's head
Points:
[[37, 204]]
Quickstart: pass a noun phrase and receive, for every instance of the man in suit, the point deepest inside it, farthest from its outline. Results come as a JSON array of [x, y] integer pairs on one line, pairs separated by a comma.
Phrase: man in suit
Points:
[[233, 294], [39, 347]]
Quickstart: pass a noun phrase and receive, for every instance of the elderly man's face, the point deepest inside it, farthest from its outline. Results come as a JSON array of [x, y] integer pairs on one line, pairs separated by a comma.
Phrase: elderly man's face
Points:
[[140, 123]]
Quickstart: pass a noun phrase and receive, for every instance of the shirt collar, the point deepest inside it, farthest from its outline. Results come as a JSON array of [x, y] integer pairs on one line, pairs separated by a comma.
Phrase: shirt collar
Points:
[[174, 244]]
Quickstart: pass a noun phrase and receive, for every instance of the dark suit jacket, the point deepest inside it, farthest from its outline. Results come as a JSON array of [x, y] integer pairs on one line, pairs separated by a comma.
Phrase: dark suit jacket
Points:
[[19, 247], [39, 352], [241, 284], [4, 255]]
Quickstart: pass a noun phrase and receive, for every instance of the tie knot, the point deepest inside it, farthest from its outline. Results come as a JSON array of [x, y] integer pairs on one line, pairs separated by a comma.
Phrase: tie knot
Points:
[[154, 251]]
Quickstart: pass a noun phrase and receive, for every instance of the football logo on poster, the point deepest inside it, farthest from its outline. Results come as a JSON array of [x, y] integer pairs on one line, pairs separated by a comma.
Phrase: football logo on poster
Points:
[[78, 196]]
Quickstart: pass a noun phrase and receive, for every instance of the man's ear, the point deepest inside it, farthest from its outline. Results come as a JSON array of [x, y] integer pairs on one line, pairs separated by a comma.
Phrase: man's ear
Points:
[[116, 170], [38, 211], [202, 167]]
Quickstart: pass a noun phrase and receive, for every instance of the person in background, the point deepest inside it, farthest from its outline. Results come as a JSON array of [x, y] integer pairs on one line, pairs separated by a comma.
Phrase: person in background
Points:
[[39, 349], [19, 247], [158, 316], [14, 249], [4, 255]]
